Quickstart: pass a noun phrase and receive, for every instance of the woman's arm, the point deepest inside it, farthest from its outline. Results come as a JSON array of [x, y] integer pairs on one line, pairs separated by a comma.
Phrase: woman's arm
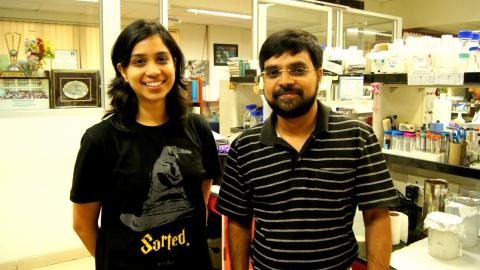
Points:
[[85, 223], [206, 186]]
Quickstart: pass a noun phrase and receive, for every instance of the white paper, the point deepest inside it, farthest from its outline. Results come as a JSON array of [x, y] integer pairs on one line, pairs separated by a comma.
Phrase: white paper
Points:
[[396, 227]]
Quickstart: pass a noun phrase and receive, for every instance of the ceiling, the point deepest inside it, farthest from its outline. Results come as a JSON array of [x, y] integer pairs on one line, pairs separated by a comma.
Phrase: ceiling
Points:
[[74, 11]]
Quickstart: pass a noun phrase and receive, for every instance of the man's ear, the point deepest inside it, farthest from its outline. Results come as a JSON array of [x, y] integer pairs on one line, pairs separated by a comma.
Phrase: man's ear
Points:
[[122, 71], [319, 74]]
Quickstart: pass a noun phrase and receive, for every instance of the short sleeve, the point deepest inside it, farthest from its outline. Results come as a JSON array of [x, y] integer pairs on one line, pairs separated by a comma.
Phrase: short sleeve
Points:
[[89, 175], [374, 186], [233, 200], [210, 159]]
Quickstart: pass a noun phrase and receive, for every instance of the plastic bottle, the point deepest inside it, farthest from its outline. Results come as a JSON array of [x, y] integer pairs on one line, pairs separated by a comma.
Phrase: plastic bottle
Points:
[[423, 142], [387, 139], [214, 117], [445, 55], [397, 143], [417, 141], [463, 55], [247, 116], [409, 141], [473, 61]]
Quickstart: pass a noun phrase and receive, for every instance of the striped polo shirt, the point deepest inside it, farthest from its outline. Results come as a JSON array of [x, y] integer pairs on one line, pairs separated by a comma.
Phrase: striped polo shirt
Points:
[[304, 203]]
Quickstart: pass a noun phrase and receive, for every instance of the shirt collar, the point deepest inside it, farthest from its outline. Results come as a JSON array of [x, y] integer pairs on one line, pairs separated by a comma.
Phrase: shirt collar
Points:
[[268, 135]]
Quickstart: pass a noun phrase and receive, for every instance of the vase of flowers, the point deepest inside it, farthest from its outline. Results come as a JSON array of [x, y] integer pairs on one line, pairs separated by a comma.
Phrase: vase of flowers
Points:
[[37, 51]]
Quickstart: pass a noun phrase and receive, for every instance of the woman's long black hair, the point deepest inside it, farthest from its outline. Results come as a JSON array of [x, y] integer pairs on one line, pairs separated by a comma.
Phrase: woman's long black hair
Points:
[[124, 101]]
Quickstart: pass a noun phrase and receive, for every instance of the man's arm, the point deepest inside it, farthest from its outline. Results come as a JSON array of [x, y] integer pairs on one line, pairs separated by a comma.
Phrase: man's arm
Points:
[[239, 238], [378, 238], [85, 223]]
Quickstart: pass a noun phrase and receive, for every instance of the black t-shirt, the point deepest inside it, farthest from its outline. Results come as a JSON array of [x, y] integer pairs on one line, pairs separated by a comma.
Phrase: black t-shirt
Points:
[[148, 180]]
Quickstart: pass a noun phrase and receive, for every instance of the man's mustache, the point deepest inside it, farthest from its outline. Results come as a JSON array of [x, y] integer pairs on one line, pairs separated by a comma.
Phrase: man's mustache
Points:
[[287, 90]]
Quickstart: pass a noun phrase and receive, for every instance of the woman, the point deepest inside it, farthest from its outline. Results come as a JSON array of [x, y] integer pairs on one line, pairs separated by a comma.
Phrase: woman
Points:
[[148, 166]]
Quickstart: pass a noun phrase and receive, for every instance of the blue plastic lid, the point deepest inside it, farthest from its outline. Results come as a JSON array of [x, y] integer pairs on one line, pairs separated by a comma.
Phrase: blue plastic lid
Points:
[[251, 107], [466, 34], [471, 49], [475, 36], [397, 133], [388, 132], [257, 113]]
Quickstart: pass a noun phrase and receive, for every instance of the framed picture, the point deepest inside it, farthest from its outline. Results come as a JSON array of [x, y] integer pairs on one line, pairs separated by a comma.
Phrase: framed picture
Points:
[[221, 53], [75, 88]]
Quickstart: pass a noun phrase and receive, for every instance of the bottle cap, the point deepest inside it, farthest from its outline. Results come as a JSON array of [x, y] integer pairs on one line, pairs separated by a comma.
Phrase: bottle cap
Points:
[[465, 34], [475, 36], [397, 133]]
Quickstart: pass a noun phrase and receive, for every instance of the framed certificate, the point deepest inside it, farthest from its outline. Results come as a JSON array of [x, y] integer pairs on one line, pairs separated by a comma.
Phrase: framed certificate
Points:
[[75, 88]]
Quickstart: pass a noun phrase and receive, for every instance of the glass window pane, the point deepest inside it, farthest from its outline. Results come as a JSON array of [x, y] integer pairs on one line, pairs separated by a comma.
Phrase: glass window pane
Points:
[[281, 17], [365, 31], [64, 25]]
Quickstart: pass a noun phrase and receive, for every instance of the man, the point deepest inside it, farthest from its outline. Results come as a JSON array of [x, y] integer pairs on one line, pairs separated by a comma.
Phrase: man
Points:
[[302, 173], [475, 92]]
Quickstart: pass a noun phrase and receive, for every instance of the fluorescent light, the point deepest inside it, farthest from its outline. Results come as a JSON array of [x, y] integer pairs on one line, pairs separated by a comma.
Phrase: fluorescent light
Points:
[[367, 32], [220, 13]]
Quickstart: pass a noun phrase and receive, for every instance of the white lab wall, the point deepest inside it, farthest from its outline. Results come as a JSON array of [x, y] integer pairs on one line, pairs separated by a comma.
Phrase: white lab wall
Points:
[[196, 42], [38, 150], [37, 155]]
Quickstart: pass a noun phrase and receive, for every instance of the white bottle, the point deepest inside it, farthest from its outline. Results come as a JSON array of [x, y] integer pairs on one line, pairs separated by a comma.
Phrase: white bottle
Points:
[[465, 38], [445, 56], [473, 55], [394, 59]]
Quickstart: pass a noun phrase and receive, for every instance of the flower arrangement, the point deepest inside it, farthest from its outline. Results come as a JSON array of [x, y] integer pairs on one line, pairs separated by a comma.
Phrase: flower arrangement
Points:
[[37, 50]]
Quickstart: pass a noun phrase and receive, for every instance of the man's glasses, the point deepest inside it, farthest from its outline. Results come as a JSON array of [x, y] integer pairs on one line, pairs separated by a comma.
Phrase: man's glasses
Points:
[[274, 73]]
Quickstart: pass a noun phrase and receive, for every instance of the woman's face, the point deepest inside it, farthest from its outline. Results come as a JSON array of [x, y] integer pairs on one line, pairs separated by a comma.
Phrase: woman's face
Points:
[[150, 71]]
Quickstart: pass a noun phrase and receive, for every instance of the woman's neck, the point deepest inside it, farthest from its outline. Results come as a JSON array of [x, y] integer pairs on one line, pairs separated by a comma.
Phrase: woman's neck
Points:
[[152, 114]]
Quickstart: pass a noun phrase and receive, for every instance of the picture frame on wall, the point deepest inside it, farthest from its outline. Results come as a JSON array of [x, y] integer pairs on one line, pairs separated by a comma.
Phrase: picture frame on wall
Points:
[[75, 88], [221, 53]]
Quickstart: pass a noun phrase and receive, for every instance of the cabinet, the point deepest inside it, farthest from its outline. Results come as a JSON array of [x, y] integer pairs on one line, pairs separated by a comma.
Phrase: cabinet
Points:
[[24, 93]]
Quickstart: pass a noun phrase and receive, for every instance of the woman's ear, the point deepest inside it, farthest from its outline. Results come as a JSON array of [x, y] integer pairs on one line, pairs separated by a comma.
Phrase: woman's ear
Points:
[[122, 71]]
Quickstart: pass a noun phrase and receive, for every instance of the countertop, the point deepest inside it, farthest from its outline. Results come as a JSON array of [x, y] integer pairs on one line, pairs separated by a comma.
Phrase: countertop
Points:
[[415, 256]]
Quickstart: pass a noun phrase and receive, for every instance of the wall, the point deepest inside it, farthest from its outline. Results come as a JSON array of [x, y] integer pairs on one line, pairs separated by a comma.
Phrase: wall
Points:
[[197, 42], [38, 150], [38, 153], [226, 35], [427, 13]]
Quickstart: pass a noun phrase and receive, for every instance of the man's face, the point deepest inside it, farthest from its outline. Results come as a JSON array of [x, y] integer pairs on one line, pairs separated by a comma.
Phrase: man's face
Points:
[[475, 92], [291, 93]]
